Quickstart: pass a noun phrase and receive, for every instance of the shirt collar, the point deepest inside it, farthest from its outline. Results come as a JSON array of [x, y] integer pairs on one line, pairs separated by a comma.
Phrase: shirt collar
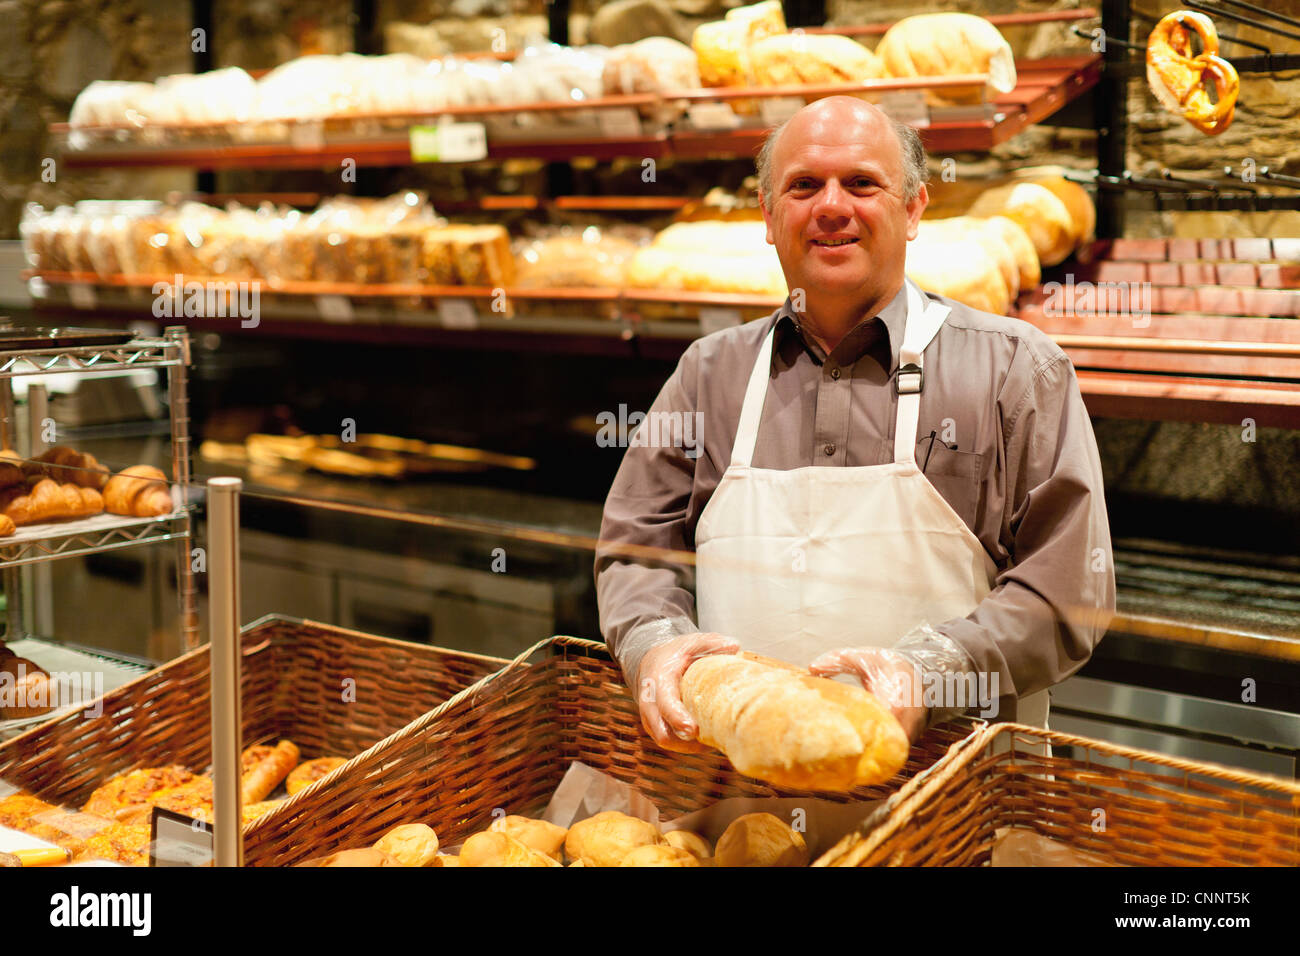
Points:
[[889, 321]]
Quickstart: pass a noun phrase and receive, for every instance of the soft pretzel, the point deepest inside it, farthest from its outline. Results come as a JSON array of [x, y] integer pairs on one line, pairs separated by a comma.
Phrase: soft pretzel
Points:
[[1178, 79]]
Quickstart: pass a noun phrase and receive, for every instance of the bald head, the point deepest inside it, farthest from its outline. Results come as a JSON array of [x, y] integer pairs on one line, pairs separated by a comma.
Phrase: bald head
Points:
[[834, 117]]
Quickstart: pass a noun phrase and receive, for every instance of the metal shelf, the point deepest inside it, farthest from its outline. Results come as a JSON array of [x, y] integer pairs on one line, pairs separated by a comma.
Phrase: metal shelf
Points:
[[131, 356], [103, 532], [105, 670]]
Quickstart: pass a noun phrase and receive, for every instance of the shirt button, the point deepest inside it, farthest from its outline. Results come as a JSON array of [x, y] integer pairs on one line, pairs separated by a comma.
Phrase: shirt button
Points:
[[835, 374], [829, 449]]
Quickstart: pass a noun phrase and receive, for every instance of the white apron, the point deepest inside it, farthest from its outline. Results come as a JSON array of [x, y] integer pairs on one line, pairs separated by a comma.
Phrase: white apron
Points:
[[795, 563]]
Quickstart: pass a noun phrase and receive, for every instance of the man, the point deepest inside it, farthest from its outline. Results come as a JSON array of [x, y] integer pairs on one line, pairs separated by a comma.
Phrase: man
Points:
[[890, 485]]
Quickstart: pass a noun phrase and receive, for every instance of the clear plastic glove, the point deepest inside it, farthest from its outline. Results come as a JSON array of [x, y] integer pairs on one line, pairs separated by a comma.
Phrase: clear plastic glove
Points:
[[895, 674], [658, 689]]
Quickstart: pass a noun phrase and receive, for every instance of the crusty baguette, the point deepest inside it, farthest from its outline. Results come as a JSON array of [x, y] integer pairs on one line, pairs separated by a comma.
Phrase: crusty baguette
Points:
[[782, 725]]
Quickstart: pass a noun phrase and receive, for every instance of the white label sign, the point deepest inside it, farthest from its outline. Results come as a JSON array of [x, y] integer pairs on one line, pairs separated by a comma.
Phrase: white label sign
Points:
[[715, 319], [334, 308], [713, 116], [907, 106], [458, 313], [81, 296], [778, 109], [448, 143], [619, 122]]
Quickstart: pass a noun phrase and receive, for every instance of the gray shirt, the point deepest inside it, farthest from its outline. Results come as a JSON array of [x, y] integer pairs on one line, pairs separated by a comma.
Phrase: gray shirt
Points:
[[1013, 454]]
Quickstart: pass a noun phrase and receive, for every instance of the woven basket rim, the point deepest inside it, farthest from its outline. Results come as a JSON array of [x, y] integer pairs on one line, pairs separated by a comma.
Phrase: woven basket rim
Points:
[[898, 808], [289, 806]]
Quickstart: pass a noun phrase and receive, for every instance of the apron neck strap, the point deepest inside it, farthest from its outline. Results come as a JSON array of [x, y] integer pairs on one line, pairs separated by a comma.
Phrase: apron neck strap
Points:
[[923, 321], [751, 412], [924, 318]]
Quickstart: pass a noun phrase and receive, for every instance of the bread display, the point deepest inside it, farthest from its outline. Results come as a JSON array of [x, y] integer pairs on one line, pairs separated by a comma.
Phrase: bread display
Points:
[[140, 491], [779, 724], [1180, 80], [412, 844], [789, 59], [544, 837], [604, 839], [760, 839], [309, 771], [948, 44]]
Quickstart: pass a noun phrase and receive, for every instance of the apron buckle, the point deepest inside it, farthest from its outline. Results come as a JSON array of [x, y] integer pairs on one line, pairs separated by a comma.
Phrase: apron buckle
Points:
[[909, 369]]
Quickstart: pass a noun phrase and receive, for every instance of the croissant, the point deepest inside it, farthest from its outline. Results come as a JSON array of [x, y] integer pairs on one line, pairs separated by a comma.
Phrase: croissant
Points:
[[1178, 79], [7, 526], [67, 464], [47, 500], [139, 491]]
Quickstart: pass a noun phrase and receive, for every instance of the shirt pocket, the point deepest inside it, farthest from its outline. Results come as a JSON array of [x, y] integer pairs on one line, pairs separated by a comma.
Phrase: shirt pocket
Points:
[[956, 475]]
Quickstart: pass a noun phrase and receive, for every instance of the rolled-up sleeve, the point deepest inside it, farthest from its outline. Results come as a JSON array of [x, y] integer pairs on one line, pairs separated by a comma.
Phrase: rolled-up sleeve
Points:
[[1051, 603], [646, 598]]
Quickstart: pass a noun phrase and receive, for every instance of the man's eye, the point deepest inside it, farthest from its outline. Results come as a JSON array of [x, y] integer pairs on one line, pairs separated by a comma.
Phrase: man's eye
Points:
[[862, 182], [801, 184]]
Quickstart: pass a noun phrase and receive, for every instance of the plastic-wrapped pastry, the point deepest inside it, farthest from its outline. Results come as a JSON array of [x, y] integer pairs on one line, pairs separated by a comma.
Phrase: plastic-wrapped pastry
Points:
[[112, 103], [652, 65], [590, 259]]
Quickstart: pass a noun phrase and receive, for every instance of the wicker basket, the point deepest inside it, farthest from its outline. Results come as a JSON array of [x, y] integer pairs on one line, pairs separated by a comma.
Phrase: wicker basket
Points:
[[504, 744], [1104, 804], [293, 686]]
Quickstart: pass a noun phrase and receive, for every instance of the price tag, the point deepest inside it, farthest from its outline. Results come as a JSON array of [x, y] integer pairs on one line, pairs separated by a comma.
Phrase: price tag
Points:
[[307, 136], [178, 840], [458, 314], [334, 308], [620, 122], [713, 116], [907, 106], [81, 296], [715, 319], [777, 109], [448, 143]]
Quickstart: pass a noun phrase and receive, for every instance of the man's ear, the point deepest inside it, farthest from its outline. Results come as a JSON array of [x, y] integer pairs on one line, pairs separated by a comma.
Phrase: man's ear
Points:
[[914, 210], [767, 217]]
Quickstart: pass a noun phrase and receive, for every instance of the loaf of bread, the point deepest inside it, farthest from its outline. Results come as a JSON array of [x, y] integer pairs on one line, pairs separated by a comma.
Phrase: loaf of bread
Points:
[[1077, 202], [723, 46], [948, 44], [968, 229], [960, 269], [411, 844], [790, 59], [540, 835], [493, 848], [139, 491], [760, 839], [1038, 211], [1013, 235], [604, 839], [782, 725]]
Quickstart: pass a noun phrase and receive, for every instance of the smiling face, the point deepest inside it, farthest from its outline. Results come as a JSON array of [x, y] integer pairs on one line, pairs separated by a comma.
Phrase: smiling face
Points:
[[837, 214]]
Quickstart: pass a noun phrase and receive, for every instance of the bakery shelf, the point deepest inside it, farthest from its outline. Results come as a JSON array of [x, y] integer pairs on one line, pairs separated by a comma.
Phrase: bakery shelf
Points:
[[140, 353], [1043, 87], [33, 544]]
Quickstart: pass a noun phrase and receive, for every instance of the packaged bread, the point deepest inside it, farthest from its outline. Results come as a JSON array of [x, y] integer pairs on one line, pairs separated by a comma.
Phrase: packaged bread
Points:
[[760, 839], [604, 839], [652, 65], [411, 844], [482, 255], [540, 835], [1038, 211], [789, 59], [592, 259], [777, 723], [948, 44], [494, 848], [659, 855]]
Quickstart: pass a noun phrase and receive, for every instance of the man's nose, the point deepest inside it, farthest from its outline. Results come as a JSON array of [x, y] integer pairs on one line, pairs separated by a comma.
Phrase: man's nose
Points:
[[832, 200]]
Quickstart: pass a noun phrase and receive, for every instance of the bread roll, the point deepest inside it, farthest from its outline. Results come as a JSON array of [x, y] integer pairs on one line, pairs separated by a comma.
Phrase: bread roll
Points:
[[445, 859], [604, 839], [1035, 208], [779, 724], [760, 839], [542, 836], [411, 844], [365, 856], [692, 843], [1077, 202], [664, 855], [491, 848], [948, 44], [788, 59]]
